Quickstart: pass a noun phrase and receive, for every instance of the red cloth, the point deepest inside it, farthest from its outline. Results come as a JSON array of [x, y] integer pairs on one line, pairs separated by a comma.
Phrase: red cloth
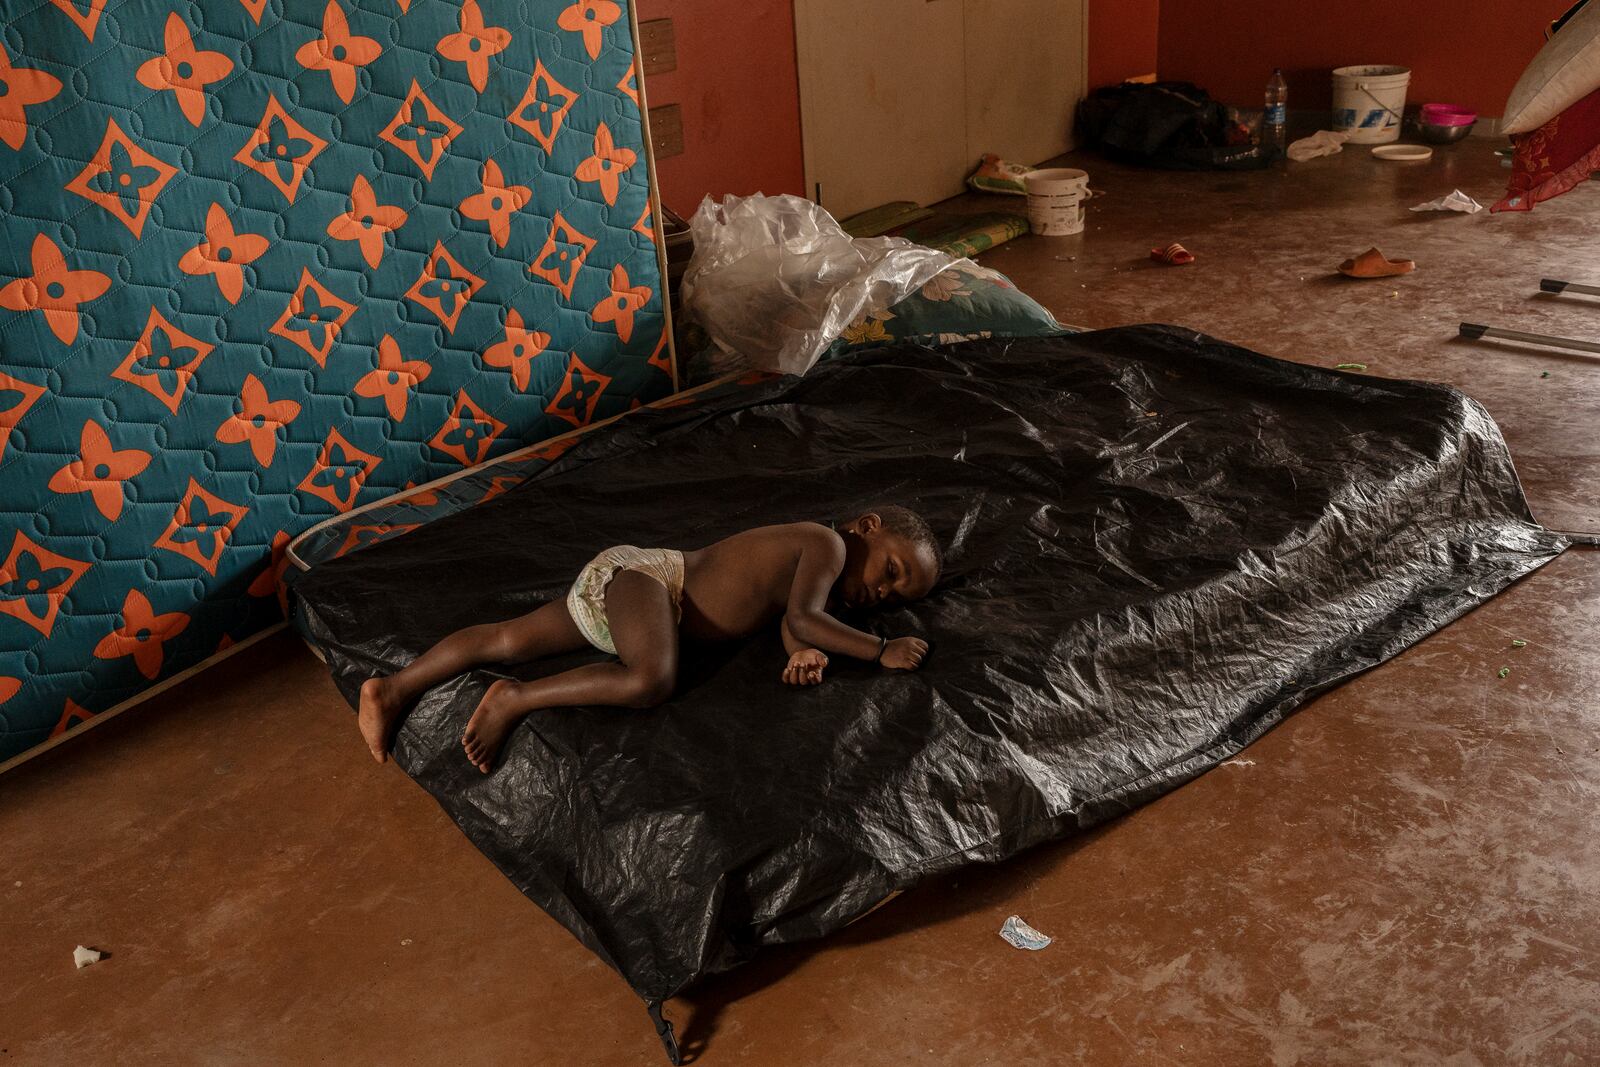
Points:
[[1555, 157]]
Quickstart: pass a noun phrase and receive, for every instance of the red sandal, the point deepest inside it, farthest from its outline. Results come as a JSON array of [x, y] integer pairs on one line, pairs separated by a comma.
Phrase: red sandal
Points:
[[1175, 254]]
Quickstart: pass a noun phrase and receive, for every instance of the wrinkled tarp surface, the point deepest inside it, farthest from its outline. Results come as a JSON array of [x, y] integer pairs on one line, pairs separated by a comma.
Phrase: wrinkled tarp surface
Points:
[[1157, 545]]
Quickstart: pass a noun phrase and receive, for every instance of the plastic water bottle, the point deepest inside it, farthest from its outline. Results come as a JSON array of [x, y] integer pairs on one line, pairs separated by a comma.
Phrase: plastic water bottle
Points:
[[1274, 120]]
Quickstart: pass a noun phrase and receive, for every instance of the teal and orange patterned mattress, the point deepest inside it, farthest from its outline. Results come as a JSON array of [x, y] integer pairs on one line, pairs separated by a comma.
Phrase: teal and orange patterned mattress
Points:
[[266, 261]]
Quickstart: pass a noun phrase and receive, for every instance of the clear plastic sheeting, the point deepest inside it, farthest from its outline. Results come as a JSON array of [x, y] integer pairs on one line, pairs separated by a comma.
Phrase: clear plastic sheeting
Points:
[[1157, 545], [774, 279]]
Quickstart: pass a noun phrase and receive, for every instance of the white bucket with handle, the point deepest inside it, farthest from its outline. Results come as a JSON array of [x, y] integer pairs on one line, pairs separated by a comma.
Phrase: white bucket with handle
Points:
[[1056, 200], [1369, 101]]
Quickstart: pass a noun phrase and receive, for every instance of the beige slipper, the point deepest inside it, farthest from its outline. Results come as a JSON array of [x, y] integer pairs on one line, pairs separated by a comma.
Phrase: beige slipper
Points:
[[1372, 264]]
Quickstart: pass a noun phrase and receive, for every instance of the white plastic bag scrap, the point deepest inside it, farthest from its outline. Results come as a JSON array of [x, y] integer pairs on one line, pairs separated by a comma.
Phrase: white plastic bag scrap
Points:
[[774, 279], [1455, 201], [1321, 143], [1019, 934]]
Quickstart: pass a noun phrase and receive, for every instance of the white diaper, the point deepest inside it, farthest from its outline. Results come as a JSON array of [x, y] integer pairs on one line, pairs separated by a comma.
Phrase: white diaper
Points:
[[586, 600]]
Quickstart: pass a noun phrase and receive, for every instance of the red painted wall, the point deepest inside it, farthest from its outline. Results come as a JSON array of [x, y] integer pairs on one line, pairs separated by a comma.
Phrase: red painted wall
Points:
[[1467, 52], [1122, 40], [737, 84]]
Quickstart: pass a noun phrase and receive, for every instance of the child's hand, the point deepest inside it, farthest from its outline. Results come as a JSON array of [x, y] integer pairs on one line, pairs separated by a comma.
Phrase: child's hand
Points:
[[904, 653], [805, 667]]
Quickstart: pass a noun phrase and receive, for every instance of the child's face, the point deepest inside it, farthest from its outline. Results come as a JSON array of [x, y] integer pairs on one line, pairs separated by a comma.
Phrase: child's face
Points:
[[882, 568]]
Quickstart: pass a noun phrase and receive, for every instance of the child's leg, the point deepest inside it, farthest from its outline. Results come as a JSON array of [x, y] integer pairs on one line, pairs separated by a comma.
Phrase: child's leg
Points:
[[545, 631], [644, 628]]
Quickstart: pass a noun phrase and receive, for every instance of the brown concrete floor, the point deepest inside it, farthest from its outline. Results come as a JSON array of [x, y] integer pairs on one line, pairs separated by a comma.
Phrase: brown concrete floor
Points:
[[1406, 872]]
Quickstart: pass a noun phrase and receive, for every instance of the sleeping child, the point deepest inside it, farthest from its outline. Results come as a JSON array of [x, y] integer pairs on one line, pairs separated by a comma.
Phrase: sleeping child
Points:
[[635, 603]]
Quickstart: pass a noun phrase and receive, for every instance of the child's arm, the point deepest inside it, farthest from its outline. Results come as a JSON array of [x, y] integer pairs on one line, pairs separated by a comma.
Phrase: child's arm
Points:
[[807, 621], [791, 643], [806, 664]]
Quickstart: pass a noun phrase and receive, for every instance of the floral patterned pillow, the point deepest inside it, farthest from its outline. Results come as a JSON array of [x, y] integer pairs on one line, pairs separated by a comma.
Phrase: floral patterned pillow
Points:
[[966, 302], [963, 303]]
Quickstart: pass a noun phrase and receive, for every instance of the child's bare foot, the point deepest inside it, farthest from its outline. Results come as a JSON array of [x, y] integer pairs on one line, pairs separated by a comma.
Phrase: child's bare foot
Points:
[[486, 731], [377, 714]]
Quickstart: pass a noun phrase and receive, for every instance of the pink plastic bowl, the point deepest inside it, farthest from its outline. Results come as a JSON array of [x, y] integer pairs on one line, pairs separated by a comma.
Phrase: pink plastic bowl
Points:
[[1448, 115]]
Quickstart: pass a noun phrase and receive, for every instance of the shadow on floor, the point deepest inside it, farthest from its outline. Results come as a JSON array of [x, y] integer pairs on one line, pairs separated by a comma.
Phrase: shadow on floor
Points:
[[938, 900]]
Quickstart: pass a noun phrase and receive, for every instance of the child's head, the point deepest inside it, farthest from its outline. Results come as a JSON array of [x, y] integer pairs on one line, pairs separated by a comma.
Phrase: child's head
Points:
[[890, 557]]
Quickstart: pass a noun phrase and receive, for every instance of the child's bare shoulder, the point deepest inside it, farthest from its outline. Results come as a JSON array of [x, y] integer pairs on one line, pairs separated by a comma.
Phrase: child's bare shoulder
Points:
[[807, 534], [792, 537]]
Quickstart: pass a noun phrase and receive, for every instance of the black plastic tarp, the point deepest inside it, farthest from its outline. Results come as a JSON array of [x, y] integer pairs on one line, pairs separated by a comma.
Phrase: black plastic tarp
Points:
[[1157, 545]]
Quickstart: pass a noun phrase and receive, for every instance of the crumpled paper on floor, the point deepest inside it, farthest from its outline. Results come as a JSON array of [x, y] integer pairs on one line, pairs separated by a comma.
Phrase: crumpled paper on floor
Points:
[[1321, 143], [1019, 934], [1456, 201]]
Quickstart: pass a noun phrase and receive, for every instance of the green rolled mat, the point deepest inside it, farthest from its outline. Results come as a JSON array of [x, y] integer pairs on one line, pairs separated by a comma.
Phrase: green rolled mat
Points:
[[965, 235], [883, 218]]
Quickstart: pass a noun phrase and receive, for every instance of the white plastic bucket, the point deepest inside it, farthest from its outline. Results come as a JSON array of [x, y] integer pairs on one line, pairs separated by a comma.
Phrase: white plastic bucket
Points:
[[1368, 102], [1055, 201]]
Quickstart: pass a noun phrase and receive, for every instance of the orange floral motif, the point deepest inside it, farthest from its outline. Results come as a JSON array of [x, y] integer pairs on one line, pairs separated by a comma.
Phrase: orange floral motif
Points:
[[85, 14], [624, 300], [553, 450], [445, 287], [24, 87], [141, 634], [123, 179], [16, 397], [646, 224], [270, 580], [474, 44], [366, 222], [312, 318], [498, 486], [71, 715], [517, 351], [394, 379], [257, 421], [339, 473], [201, 527], [224, 253], [53, 290], [590, 18], [422, 498], [100, 470], [184, 70], [629, 83], [255, 8], [497, 203], [34, 581], [359, 536], [607, 165], [421, 131], [280, 149], [661, 358], [9, 687], [543, 107], [563, 253], [338, 51], [468, 433], [580, 392], [163, 361]]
